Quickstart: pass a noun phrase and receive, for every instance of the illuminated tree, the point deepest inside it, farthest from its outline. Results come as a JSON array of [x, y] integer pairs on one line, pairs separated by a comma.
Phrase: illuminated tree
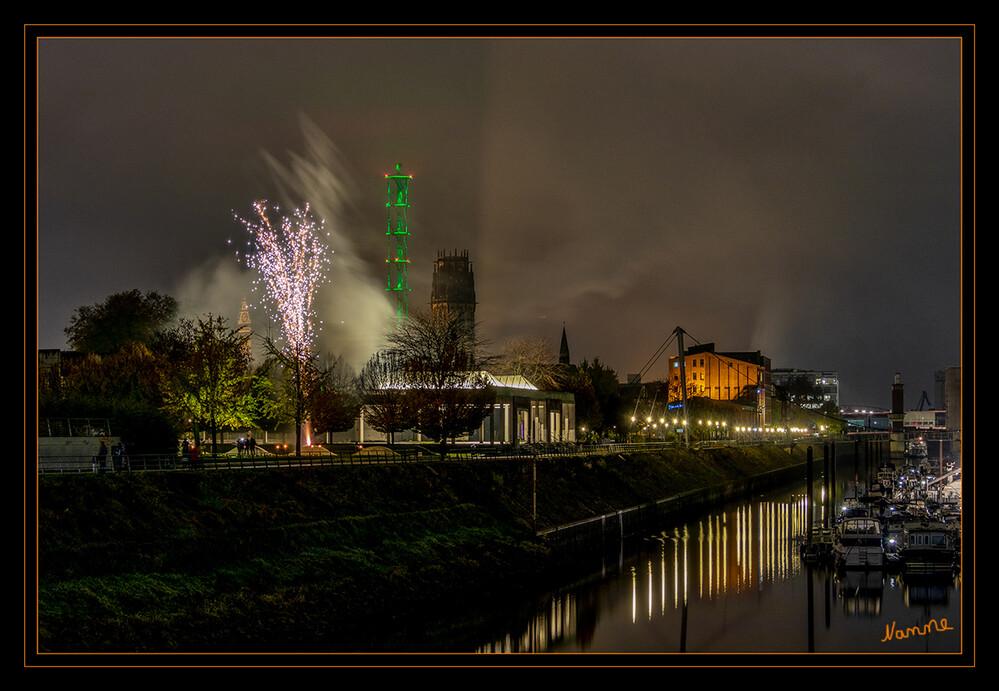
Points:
[[292, 373], [290, 258], [210, 380]]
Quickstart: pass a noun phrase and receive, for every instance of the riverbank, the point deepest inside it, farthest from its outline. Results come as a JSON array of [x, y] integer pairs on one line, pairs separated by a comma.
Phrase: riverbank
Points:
[[335, 558]]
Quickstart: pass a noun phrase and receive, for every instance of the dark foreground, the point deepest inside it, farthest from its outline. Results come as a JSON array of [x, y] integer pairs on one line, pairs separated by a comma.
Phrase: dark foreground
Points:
[[326, 559]]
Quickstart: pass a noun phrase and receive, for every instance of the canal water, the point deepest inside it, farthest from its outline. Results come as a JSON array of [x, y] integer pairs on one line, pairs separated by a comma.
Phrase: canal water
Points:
[[732, 581]]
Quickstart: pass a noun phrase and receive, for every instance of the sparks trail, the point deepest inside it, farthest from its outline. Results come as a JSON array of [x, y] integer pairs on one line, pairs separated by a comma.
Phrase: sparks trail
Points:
[[291, 260]]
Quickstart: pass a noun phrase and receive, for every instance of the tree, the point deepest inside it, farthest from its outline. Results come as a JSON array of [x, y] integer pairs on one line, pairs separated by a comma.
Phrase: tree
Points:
[[607, 392], [295, 369], [675, 391], [129, 376], [387, 405], [291, 256], [532, 358], [333, 399], [210, 380], [589, 418], [125, 386], [442, 367], [129, 317]]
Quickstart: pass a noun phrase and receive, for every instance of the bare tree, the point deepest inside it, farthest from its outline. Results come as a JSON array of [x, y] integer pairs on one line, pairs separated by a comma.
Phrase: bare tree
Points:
[[532, 358], [333, 397], [442, 367], [294, 369], [387, 405]]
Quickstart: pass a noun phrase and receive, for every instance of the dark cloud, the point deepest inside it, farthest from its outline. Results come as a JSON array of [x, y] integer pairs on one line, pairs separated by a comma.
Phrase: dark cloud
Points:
[[798, 197]]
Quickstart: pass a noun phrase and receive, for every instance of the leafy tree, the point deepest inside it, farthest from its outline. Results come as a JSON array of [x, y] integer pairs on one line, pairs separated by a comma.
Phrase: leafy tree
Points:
[[266, 413], [443, 369], [607, 391], [128, 377], [588, 414], [129, 317], [211, 376], [124, 386]]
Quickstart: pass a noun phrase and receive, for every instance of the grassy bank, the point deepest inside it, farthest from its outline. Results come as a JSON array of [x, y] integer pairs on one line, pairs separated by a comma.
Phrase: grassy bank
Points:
[[323, 559]]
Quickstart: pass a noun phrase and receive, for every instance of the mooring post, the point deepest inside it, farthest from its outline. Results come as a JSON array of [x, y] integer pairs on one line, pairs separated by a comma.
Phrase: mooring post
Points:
[[808, 493], [825, 482]]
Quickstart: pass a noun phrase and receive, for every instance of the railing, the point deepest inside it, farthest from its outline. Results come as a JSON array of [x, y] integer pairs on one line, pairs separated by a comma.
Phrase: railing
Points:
[[320, 456], [74, 427], [58, 465]]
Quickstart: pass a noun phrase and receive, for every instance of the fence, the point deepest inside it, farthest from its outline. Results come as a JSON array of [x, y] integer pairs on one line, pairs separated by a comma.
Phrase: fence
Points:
[[74, 427], [346, 456]]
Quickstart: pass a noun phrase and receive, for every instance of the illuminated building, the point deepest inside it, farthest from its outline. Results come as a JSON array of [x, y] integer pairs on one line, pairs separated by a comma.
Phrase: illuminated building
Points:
[[397, 232], [725, 376], [826, 384], [521, 414]]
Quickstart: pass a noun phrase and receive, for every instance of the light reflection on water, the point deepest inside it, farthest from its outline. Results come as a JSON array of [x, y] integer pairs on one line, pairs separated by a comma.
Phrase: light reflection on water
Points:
[[730, 582]]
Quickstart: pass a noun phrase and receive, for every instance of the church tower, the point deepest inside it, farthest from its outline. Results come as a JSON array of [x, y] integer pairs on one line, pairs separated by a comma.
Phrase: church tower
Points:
[[454, 286], [245, 329]]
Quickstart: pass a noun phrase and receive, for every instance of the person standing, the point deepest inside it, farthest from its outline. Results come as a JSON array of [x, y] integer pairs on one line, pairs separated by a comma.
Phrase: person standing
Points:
[[102, 456]]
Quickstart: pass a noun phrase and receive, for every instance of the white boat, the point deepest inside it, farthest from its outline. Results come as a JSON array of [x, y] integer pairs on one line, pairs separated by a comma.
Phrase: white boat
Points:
[[859, 544]]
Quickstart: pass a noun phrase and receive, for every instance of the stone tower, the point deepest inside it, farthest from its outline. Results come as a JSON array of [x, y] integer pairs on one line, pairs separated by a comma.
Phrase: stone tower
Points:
[[245, 329], [454, 285]]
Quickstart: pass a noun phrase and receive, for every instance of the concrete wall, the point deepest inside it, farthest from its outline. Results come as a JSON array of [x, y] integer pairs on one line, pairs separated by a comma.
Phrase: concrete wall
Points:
[[609, 530]]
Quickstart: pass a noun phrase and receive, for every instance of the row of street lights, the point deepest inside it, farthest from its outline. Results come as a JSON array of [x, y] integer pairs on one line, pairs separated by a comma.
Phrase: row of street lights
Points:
[[714, 428], [717, 429]]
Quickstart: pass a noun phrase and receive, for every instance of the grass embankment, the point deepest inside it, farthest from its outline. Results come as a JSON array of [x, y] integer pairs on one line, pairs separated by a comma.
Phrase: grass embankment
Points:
[[322, 559]]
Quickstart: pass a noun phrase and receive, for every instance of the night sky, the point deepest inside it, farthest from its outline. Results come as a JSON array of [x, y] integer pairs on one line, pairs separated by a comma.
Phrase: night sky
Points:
[[797, 196]]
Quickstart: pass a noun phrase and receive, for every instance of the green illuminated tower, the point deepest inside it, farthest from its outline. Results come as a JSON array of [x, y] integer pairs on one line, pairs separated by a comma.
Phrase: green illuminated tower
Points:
[[397, 233]]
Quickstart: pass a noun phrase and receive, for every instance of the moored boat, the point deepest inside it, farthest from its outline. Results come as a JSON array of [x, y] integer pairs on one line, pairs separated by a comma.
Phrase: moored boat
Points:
[[916, 448], [928, 548], [859, 544]]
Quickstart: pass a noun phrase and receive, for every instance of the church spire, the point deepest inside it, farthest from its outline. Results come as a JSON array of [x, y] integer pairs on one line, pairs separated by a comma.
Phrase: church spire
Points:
[[563, 351]]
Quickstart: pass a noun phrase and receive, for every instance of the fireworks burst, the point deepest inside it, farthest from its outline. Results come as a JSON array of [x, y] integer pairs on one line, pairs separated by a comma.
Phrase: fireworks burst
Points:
[[291, 260]]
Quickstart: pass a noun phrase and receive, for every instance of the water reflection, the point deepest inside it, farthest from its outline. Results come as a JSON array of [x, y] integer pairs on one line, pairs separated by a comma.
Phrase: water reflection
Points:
[[731, 581]]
